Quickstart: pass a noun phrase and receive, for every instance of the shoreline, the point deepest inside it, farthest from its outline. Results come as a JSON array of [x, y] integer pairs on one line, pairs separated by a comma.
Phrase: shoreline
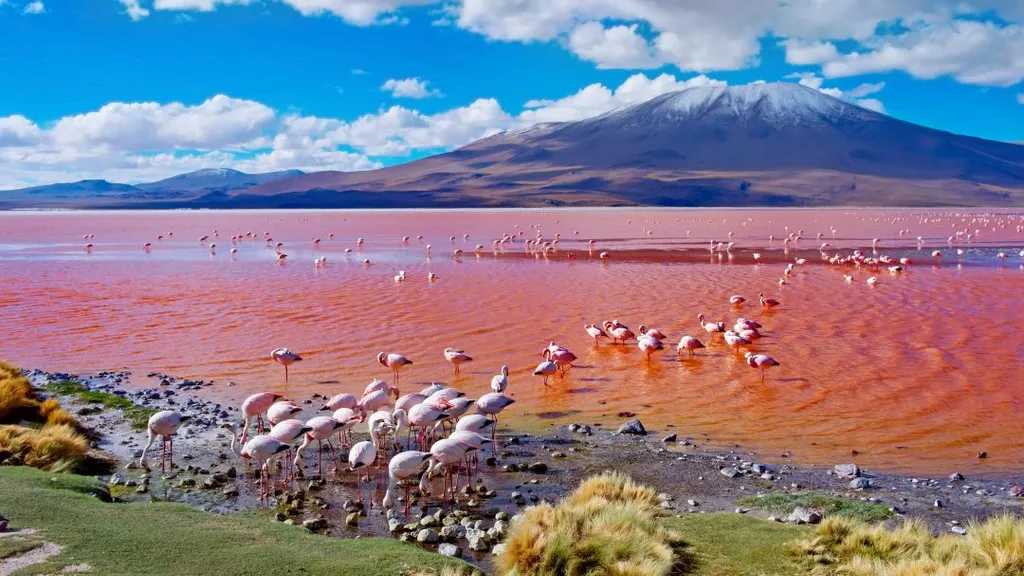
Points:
[[527, 469]]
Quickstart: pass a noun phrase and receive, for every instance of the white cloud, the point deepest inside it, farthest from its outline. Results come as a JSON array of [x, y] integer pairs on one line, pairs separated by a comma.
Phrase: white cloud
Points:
[[871, 104], [971, 52], [1020, 98], [356, 12], [802, 52], [35, 7], [134, 10], [409, 88], [855, 96], [615, 47]]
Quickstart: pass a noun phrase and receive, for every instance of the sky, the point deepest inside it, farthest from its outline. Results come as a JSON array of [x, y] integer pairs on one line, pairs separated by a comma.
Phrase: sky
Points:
[[138, 90]]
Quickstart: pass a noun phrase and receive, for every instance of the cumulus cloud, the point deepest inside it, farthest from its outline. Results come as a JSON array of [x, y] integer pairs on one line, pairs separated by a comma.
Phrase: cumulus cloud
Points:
[[409, 88], [855, 96], [35, 7], [144, 141], [134, 10], [615, 47]]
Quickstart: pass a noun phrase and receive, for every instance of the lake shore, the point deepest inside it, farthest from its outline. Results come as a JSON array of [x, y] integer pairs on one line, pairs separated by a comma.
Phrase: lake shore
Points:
[[525, 469]]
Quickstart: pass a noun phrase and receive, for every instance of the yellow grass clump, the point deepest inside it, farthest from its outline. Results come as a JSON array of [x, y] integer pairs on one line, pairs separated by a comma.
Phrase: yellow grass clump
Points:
[[56, 448], [16, 392], [607, 527], [54, 413], [845, 547]]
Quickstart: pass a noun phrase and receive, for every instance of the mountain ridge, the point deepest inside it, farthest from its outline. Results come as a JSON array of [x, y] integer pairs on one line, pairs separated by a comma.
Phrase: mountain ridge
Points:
[[777, 144]]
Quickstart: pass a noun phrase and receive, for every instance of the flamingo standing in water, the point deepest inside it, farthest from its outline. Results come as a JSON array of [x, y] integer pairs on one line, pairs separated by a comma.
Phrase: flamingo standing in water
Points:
[[562, 357], [688, 343], [546, 369], [649, 346], [446, 454], [281, 411], [651, 333], [321, 428], [492, 404], [768, 302], [360, 458], [710, 327], [595, 332], [348, 418], [285, 357], [618, 332], [343, 400], [403, 467], [456, 357], [734, 340], [253, 407], [737, 300], [164, 424], [393, 361], [761, 362], [500, 381], [263, 448], [475, 441], [290, 432]]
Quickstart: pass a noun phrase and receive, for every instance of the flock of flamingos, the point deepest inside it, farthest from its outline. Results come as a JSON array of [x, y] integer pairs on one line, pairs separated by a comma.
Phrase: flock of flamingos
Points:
[[436, 421]]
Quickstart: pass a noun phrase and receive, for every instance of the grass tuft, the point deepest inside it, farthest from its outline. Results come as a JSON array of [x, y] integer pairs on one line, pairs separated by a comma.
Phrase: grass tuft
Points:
[[16, 393], [608, 526], [55, 448], [846, 547], [138, 416], [782, 503]]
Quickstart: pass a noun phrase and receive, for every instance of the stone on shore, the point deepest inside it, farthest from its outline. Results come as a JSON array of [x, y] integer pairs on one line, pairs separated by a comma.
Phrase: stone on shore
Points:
[[634, 426], [426, 536], [801, 515], [847, 470], [449, 550]]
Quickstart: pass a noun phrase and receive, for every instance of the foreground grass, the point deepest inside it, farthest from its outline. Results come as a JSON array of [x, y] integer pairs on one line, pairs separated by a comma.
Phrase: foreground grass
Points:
[[166, 538], [15, 544], [841, 546], [137, 415], [725, 544], [782, 503]]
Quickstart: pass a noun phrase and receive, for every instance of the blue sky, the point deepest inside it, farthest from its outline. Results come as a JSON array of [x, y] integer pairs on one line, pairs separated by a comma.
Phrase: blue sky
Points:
[[133, 90]]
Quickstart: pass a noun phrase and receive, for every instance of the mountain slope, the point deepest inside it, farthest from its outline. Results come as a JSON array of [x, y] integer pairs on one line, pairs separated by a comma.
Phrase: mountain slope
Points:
[[222, 178]]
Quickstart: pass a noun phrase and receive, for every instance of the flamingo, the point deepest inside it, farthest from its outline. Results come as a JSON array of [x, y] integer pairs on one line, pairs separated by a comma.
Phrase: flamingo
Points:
[[737, 300], [761, 362], [744, 324], [375, 401], [474, 423], [456, 357], [735, 340], [164, 424], [651, 332], [475, 441], [710, 327], [380, 385], [285, 357], [263, 448], [492, 404], [562, 357], [409, 400], [618, 332], [768, 302], [500, 381], [595, 332], [290, 432], [546, 369], [343, 400], [321, 428], [281, 411], [394, 361], [403, 467], [446, 453], [361, 456], [348, 418], [688, 343], [424, 416], [255, 406], [649, 345]]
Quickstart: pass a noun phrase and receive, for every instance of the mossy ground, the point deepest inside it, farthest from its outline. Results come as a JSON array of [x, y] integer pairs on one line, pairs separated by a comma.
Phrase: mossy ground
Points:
[[781, 503]]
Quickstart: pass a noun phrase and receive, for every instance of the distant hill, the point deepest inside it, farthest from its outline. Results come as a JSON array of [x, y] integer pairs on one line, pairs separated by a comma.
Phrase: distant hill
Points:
[[217, 178], [776, 144]]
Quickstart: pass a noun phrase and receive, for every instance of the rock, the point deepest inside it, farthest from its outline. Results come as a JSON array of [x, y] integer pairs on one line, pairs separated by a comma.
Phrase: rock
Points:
[[759, 468], [452, 532], [290, 522], [131, 483], [846, 470], [1017, 491], [741, 510], [477, 540], [958, 530], [142, 489], [538, 467], [426, 536], [314, 524], [394, 525], [982, 454], [692, 503], [801, 515], [428, 521], [730, 472], [449, 550], [498, 550], [501, 516], [352, 519], [280, 517], [3, 524], [633, 426], [937, 504], [860, 483], [558, 455], [956, 477], [230, 492], [210, 483], [669, 439]]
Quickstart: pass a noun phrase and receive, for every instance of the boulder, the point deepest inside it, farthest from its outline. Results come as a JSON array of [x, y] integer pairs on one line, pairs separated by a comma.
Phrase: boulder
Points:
[[846, 470], [860, 482], [801, 515], [449, 550], [426, 536], [634, 426], [314, 524]]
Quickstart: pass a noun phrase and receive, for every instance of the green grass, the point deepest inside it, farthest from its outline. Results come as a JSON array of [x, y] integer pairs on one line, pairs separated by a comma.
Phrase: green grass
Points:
[[137, 415], [782, 504], [726, 544], [166, 538], [11, 545]]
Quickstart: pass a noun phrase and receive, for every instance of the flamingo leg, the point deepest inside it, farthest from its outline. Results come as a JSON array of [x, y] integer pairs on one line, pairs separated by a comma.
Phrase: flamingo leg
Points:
[[170, 458], [320, 458], [407, 498], [163, 452], [285, 373]]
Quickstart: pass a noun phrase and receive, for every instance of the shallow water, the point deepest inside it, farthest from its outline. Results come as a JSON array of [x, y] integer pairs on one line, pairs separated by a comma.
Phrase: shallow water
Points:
[[919, 373]]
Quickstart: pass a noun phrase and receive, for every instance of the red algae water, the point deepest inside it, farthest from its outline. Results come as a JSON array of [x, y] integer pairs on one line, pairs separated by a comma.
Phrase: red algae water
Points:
[[918, 373]]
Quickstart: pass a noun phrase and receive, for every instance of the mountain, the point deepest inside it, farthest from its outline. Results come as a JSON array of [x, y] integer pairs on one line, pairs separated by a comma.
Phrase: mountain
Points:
[[217, 178], [776, 144]]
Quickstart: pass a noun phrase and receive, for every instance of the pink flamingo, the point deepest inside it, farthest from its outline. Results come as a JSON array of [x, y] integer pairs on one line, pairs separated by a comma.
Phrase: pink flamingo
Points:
[[500, 381], [447, 453], [263, 448], [285, 357], [343, 400], [492, 404], [164, 424], [281, 411], [289, 432], [618, 332], [595, 332], [253, 407], [710, 327], [651, 332], [394, 361], [380, 386], [457, 357], [690, 344], [321, 428], [348, 419], [649, 346], [360, 458], [737, 300], [761, 362], [474, 423], [546, 369], [735, 340], [768, 302], [375, 401], [403, 467]]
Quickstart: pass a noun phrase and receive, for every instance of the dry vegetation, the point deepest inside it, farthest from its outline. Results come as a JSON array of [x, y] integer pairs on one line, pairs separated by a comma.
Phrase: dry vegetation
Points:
[[845, 547], [608, 526], [33, 431]]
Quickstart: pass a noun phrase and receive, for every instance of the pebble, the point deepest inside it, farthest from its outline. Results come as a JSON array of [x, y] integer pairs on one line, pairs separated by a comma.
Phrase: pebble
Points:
[[730, 472], [669, 439], [860, 483], [958, 530]]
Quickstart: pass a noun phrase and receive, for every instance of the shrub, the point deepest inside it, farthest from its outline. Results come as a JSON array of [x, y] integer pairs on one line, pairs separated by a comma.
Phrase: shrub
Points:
[[608, 526], [845, 547]]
